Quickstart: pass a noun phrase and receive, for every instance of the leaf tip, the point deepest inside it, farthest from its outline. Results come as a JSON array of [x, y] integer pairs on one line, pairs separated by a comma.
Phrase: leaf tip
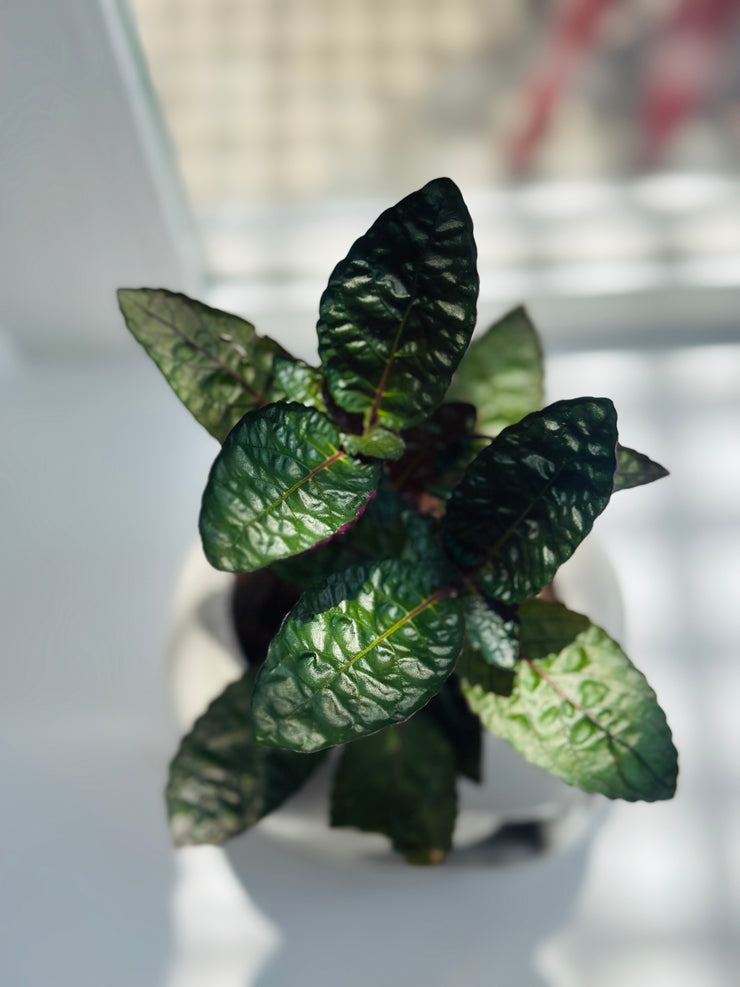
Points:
[[443, 184], [125, 297]]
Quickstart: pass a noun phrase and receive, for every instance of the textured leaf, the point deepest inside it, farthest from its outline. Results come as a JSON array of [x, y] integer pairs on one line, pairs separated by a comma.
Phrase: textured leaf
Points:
[[581, 710], [387, 529], [377, 442], [378, 534], [365, 650], [280, 484], [399, 310], [502, 373], [215, 362], [401, 783], [221, 781], [635, 469], [299, 382], [529, 498], [495, 637]]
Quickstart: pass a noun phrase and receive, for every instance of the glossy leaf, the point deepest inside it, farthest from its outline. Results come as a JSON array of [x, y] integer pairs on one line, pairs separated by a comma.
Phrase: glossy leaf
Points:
[[399, 310], [378, 534], [221, 781], [635, 469], [502, 373], [280, 484], [377, 442], [581, 710], [495, 637], [401, 783], [365, 650], [529, 499], [215, 362], [299, 382]]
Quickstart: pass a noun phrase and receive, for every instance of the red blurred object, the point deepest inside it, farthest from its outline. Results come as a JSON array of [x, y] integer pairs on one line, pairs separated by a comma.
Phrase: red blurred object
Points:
[[681, 70], [572, 35]]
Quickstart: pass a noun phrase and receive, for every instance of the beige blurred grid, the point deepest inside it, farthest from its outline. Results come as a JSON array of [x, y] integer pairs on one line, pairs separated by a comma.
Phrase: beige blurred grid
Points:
[[285, 100], [282, 99]]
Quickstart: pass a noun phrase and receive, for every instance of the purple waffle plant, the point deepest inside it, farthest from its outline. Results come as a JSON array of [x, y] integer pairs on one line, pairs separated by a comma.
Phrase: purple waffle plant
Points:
[[418, 499]]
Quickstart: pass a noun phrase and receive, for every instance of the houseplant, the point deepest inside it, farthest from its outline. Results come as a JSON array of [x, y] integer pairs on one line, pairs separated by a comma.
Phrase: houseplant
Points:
[[408, 503]]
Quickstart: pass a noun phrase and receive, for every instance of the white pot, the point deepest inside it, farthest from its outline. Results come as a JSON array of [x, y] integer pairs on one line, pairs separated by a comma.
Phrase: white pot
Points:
[[518, 810]]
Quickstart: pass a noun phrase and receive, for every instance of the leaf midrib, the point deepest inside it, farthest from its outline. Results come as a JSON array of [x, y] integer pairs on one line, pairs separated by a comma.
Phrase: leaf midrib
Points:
[[184, 336], [611, 737], [299, 483], [430, 601], [380, 391], [491, 554]]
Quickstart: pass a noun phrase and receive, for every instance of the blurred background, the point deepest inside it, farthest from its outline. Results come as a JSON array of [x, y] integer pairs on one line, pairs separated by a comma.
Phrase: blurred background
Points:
[[234, 149]]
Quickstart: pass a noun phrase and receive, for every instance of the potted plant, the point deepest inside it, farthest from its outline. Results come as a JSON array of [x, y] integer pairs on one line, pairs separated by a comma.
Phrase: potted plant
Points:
[[400, 512]]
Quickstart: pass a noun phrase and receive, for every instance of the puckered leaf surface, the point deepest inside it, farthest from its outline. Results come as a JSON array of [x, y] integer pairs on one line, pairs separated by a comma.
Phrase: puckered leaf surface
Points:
[[634, 469], [215, 362], [529, 498], [280, 484], [221, 781], [365, 650], [299, 382], [387, 529], [399, 310], [581, 710], [379, 534], [502, 373], [401, 783], [495, 637]]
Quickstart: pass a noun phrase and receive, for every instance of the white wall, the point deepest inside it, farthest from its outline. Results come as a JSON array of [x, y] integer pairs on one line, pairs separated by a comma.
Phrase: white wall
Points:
[[89, 195]]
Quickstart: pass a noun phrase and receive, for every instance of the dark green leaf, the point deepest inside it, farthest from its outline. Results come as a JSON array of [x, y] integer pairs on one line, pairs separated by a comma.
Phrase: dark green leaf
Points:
[[581, 710], [401, 783], [312, 567], [300, 382], [366, 650], [502, 374], [399, 310], [221, 781], [529, 498], [474, 671], [450, 711], [377, 442], [635, 469], [434, 447], [492, 635], [378, 534], [215, 362], [423, 549], [280, 484]]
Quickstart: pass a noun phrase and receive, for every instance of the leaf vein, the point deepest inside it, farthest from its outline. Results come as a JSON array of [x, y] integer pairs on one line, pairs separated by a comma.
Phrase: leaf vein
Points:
[[204, 352], [611, 737]]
